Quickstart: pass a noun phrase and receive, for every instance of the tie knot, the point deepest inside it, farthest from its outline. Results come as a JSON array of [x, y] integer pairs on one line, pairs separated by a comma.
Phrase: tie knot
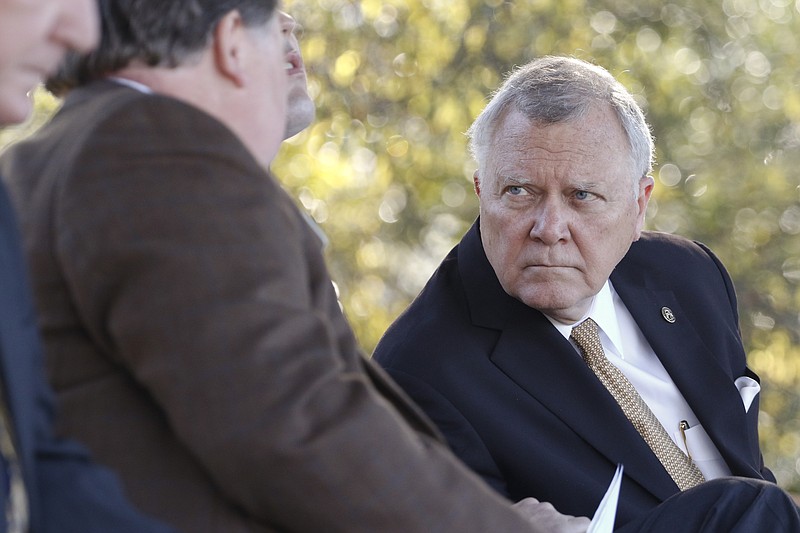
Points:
[[587, 330], [587, 336]]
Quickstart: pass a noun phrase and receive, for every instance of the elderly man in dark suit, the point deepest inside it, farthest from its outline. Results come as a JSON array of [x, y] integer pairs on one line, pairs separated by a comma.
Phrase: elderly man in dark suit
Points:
[[558, 339], [47, 484]]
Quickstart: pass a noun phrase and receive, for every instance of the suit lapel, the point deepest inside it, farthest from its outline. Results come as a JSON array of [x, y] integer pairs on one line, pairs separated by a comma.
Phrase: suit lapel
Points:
[[706, 386], [538, 359]]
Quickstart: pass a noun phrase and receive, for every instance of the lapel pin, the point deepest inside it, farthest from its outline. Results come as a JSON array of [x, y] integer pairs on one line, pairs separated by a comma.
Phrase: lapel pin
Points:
[[668, 315]]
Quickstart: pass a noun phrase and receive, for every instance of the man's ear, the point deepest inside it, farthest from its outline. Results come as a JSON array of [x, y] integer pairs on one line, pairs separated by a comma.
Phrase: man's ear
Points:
[[229, 48], [646, 185], [476, 180]]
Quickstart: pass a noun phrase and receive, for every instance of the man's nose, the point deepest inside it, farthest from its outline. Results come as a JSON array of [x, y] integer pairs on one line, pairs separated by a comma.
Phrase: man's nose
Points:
[[550, 222], [289, 29]]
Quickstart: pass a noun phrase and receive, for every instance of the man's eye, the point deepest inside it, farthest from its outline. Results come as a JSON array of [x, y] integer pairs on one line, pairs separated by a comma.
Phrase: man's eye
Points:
[[583, 195], [515, 190]]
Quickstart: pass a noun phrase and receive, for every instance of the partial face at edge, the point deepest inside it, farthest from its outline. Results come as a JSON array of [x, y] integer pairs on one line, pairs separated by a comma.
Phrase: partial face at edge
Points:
[[558, 210], [266, 89], [301, 108], [34, 35]]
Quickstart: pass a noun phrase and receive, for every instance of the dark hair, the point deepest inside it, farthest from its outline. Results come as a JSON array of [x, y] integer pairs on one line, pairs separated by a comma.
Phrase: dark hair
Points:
[[153, 32]]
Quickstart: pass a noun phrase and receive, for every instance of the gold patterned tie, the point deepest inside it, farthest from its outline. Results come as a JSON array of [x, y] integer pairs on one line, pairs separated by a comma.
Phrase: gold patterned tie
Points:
[[682, 470]]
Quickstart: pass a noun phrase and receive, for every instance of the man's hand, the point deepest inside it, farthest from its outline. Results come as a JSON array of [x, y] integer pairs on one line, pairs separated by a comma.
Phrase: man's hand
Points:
[[545, 519]]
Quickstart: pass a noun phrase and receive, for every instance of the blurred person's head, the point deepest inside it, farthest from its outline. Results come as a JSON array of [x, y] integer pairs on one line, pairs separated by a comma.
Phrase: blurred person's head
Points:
[[225, 57], [34, 35], [75, 71], [170, 34], [231, 58], [563, 155]]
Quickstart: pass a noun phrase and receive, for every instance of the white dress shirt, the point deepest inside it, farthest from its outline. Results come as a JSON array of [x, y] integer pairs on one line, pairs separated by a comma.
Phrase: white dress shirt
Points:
[[628, 350]]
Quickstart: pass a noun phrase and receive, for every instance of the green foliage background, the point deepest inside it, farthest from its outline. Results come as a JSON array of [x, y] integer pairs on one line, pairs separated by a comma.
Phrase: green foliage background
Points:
[[386, 173]]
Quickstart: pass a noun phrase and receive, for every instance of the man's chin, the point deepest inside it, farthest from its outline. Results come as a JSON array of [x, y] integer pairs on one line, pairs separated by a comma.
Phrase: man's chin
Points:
[[300, 116], [563, 306]]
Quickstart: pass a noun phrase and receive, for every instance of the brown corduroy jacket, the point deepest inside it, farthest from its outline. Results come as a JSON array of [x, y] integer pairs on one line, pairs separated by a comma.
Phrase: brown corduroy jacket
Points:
[[196, 343]]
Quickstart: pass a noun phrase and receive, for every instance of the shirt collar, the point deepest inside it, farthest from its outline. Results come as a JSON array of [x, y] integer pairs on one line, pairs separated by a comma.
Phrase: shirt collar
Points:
[[141, 87], [603, 312]]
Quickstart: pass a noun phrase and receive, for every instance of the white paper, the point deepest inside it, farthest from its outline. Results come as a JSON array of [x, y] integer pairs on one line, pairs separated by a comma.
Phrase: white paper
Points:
[[606, 513]]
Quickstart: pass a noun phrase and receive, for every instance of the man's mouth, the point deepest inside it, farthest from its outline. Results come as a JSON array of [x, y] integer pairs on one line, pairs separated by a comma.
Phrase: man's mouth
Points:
[[294, 65]]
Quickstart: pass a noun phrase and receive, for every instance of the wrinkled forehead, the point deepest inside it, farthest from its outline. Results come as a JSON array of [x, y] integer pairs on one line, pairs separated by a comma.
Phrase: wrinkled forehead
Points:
[[587, 143], [597, 128]]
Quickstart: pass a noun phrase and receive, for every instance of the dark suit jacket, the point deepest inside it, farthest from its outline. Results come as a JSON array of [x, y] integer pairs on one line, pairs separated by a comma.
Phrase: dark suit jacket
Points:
[[66, 492], [518, 404], [195, 339]]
